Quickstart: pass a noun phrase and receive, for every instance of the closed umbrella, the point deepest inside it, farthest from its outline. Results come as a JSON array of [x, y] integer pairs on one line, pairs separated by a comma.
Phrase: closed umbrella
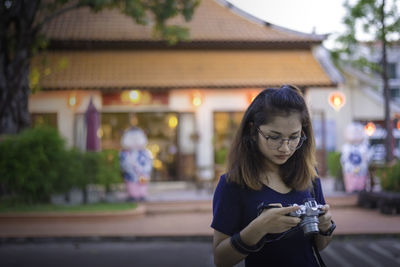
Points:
[[93, 124]]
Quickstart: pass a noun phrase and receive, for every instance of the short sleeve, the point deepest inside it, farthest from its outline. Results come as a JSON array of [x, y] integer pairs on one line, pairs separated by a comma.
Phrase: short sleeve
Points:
[[227, 208], [319, 195]]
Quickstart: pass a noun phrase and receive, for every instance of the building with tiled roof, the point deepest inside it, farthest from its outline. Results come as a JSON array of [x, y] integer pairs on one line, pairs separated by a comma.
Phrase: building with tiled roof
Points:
[[189, 97]]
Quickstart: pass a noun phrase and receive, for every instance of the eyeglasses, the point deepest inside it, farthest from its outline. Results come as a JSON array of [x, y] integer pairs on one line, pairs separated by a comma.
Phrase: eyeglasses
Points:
[[275, 142]]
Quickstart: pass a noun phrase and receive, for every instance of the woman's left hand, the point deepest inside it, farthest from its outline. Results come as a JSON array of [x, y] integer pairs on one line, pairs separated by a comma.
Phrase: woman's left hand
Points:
[[325, 220]]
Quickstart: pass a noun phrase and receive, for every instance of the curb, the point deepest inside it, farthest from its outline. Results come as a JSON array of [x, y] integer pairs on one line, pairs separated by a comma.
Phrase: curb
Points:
[[138, 211], [178, 207]]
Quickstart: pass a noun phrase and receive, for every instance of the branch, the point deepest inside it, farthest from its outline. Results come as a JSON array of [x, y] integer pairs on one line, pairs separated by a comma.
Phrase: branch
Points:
[[47, 19]]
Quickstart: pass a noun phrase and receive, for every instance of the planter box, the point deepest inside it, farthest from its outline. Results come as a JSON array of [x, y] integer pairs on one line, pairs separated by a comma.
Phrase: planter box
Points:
[[368, 199], [389, 203], [386, 202]]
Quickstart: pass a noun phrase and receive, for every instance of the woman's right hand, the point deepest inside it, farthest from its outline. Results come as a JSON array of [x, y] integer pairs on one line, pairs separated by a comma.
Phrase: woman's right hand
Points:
[[275, 220]]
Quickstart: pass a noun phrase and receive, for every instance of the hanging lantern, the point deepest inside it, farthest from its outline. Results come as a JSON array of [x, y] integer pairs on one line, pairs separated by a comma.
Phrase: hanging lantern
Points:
[[197, 99], [131, 96], [73, 100], [370, 128], [134, 96], [337, 100]]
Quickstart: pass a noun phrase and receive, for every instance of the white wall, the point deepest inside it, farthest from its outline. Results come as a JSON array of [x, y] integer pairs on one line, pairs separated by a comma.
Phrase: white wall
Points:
[[57, 102]]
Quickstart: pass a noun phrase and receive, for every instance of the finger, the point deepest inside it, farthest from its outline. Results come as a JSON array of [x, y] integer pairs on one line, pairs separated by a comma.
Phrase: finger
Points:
[[326, 207], [286, 210], [325, 218], [288, 220]]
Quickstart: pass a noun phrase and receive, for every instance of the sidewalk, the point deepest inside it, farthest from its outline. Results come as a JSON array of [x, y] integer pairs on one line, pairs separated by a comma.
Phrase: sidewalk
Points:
[[179, 212]]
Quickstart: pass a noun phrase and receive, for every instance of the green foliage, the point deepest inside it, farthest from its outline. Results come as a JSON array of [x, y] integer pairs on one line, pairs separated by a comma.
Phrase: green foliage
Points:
[[390, 177], [109, 171], [70, 171], [220, 155], [36, 164], [28, 163], [334, 165], [141, 11], [380, 22]]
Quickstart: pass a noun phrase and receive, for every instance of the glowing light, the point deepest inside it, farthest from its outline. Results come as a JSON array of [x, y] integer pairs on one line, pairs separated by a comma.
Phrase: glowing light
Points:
[[134, 96], [72, 100], [337, 100], [154, 149], [398, 124], [370, 128], [172, 122], [157, 164], [197, 99]]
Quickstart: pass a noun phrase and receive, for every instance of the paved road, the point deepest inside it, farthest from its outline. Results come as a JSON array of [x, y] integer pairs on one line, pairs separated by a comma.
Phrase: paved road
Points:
[[198, 253], [363, 252]]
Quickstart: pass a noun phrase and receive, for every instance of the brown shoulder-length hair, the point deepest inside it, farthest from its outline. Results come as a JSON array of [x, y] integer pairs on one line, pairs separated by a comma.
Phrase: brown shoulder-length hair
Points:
[[245, 160]]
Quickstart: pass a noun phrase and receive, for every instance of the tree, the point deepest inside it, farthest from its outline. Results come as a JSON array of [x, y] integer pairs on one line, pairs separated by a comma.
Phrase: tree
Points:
[[379, 20], [21, 22]]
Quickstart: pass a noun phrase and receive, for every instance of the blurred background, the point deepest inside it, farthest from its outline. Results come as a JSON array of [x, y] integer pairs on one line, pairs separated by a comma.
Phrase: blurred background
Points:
[[75, 75]]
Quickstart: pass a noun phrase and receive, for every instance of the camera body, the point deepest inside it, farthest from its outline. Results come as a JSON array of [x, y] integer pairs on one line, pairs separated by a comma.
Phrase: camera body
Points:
[[308, 213]]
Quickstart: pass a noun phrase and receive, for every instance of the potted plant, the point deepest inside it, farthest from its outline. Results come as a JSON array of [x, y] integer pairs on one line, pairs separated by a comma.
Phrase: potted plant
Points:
[[335, 170], [389, 198]]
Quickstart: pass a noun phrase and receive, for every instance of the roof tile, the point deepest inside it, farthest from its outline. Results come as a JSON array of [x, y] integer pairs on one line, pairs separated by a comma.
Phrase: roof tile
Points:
[[212, 21], [182, 69]]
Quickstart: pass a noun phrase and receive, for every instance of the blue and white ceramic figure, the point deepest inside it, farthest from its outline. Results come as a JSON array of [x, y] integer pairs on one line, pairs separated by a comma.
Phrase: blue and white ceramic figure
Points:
[[355, 158], [136, 163]]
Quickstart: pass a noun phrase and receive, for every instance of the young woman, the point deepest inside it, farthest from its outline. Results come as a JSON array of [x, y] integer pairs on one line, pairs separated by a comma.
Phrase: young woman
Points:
[[271, 161]]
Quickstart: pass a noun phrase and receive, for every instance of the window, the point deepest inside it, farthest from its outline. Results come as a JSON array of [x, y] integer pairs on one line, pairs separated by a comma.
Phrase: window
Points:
[[395, 93], [391, 73], [225, 126]]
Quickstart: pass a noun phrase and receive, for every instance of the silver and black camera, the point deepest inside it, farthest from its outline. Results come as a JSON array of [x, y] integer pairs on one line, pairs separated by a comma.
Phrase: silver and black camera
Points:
[[308, 213]]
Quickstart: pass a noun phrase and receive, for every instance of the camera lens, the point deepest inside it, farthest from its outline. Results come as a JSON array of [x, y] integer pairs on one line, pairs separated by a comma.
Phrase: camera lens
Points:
[[310, 225]]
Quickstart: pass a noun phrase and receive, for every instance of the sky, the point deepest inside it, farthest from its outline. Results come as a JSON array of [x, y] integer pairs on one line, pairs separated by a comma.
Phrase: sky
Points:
[[320, 16]]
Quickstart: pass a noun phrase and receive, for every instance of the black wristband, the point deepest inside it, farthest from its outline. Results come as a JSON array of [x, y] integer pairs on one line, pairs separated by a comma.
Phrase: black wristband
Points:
[[238, 244], [330, 230]]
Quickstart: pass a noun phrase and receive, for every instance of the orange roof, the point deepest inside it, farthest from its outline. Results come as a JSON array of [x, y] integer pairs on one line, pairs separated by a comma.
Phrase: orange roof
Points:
[[109, 70], [215, 21]]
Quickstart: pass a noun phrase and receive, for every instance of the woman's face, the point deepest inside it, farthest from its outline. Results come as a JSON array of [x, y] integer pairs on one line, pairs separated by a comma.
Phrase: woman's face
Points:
[[287, 128]]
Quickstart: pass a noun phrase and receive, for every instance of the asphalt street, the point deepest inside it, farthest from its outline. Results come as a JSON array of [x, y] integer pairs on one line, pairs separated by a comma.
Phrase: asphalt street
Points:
[[352, 252]]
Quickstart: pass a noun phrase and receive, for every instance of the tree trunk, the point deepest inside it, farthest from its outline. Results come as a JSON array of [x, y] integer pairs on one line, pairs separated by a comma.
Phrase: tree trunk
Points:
[[388, 123], [16, 39], [14, 97]]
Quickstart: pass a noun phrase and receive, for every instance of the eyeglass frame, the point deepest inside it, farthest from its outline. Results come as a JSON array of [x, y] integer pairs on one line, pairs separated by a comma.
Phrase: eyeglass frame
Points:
[[303, 138]]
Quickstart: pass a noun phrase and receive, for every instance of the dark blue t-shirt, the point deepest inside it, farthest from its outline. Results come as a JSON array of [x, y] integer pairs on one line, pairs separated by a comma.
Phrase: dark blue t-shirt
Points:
[[234, 207]]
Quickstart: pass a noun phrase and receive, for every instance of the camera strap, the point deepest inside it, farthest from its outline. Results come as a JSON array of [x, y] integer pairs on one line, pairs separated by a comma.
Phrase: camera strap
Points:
[[321, 263]]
